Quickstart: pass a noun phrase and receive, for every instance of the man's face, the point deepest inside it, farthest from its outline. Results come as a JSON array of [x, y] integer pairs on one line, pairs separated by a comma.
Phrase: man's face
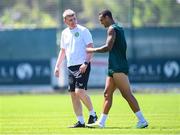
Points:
[[103, 20], [71, 21]]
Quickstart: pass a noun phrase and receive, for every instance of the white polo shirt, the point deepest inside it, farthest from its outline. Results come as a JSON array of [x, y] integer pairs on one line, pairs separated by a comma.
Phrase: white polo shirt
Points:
[[74, 41]]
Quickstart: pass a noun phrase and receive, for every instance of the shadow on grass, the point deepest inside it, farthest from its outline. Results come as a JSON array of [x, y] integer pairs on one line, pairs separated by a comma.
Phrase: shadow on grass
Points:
[[111, 128], [118, 128]]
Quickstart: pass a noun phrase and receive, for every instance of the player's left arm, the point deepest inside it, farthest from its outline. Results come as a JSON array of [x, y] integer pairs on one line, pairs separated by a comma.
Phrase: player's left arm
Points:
[[111, 35]]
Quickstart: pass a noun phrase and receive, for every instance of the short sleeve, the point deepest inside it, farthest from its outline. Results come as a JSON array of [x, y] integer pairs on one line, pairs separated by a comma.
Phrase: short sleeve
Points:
[[87, 37], [62, 41]]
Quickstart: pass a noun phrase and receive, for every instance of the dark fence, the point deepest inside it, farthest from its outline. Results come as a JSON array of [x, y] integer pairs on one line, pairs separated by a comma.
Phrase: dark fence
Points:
[[153, 54], [28, 44], [147, 42]]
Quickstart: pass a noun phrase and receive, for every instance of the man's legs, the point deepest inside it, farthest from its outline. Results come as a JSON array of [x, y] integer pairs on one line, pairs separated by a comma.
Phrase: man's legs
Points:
[[83, 96], [81, 86], [77, 106], [77, 86], [122, 82], [81, 93]]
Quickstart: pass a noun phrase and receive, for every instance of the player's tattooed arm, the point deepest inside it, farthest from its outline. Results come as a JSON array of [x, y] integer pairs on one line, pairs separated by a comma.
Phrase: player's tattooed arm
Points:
[[111, 35]]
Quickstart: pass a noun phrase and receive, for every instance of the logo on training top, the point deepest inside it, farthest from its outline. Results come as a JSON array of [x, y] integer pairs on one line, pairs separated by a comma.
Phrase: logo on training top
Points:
[[171, 69], [76, 34], [24, 71]]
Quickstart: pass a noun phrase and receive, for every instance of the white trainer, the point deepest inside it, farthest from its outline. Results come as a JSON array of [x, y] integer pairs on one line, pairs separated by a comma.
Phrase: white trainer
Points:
[[141, 124], [97, 124]]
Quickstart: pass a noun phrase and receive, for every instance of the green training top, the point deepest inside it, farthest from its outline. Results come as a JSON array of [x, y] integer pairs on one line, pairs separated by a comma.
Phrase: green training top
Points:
[[117, 55]]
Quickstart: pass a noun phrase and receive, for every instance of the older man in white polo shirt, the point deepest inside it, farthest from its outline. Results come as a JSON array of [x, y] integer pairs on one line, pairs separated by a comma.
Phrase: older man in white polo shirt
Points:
[[74, 41]]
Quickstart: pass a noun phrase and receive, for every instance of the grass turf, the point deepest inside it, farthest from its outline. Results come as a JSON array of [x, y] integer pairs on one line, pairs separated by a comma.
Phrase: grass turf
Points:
[[52, 114]]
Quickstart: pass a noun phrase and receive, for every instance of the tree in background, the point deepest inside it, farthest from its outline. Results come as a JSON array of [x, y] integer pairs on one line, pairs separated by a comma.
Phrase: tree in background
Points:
[[120, 9], [156, 13], [48, 13], [145, 12], [27, 13]]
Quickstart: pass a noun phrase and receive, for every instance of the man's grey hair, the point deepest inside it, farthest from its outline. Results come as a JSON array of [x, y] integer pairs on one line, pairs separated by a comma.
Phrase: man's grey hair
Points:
[[68, 12]]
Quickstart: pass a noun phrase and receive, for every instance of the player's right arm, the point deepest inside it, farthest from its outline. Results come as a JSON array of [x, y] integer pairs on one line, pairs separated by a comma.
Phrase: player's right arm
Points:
[[111, 35], [61, 57]]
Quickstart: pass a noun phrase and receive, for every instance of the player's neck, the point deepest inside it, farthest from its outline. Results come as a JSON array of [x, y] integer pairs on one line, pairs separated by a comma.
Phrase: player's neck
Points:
[[111, 23]]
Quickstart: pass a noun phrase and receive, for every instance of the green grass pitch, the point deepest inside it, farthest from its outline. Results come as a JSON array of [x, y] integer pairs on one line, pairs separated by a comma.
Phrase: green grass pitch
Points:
[[52, 114]]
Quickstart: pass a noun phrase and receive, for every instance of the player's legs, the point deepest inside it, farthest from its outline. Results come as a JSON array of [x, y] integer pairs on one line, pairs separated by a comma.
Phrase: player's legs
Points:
[[108, 94], [122, 82], [108, 98]]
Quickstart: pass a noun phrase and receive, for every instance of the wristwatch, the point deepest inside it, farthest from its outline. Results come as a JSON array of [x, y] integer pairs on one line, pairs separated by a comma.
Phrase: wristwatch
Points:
[[86, 63]]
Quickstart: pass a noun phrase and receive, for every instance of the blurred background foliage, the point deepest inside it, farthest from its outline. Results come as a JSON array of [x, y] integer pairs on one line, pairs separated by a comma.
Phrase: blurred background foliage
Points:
[[48, 13]]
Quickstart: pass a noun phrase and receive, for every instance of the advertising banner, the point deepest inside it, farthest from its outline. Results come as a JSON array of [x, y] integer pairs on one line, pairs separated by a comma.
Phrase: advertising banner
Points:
[[27, 72], [154, 71], [140, 71]]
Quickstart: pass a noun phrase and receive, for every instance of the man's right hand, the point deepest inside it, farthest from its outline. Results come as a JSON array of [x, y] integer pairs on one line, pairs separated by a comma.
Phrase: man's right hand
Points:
[[56, 71]]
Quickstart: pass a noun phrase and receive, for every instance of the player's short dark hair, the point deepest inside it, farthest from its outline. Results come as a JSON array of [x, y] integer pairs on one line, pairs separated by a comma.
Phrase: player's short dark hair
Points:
[[106, 12]]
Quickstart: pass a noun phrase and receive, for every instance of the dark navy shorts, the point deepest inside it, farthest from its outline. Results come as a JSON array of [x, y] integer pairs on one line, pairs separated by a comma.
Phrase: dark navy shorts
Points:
[[111, 71], [76, 79]]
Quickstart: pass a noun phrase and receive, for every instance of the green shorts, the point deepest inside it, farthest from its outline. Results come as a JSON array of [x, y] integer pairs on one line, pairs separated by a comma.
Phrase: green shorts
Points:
[[111, 72]]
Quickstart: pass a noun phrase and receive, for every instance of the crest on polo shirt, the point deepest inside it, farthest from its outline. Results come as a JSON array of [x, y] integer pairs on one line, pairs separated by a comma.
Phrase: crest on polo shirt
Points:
[[76, 34]]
